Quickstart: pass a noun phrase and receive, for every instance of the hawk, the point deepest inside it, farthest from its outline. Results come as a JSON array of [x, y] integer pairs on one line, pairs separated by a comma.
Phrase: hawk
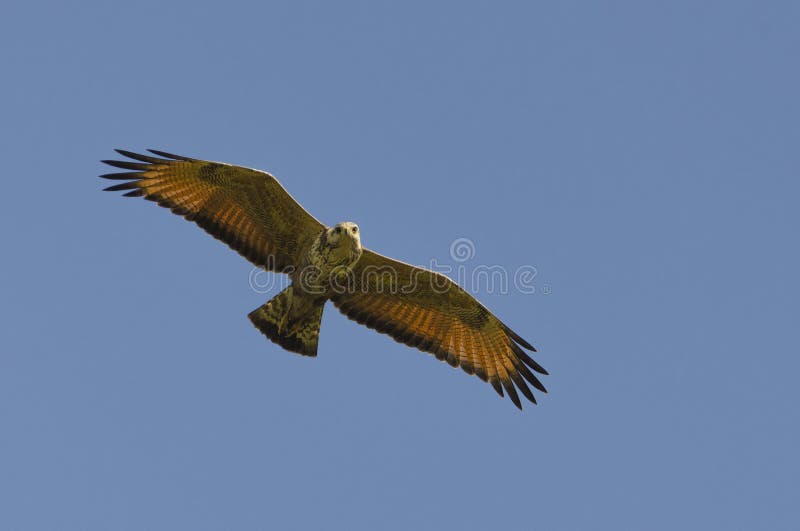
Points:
[[251, 212]]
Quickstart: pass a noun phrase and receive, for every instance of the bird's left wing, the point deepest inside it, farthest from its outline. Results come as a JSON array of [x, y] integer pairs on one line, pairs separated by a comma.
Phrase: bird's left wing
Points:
[[247, 209], [426, 310]]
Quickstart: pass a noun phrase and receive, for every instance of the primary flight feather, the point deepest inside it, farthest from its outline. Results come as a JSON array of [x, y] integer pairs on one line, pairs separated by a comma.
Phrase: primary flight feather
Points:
[[251, 212]]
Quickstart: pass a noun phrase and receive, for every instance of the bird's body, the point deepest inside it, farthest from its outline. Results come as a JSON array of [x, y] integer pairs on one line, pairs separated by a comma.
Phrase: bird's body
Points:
[[250, 211], [292, 319]]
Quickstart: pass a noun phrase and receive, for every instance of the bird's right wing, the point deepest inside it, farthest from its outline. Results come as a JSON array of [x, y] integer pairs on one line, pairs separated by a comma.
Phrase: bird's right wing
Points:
[[427, 310], [247, 209]]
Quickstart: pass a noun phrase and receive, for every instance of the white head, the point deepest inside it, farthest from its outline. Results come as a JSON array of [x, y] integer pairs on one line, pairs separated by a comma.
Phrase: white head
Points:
[[344, 233]]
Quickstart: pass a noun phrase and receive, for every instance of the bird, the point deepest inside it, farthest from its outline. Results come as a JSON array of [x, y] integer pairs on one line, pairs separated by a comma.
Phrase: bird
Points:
[[253, 214]]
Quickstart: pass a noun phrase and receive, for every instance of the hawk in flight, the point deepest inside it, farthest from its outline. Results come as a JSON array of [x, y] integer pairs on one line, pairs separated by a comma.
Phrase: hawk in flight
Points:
[[251, 212]]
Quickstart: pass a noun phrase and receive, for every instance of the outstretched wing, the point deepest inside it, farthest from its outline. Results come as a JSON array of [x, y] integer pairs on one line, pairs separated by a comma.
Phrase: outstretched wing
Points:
[[426, 310], [247, 209]]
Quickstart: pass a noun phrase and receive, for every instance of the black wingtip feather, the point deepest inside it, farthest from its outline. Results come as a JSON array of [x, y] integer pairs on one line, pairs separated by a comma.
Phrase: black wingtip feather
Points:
[[522, 386], [496, 384], [126, 164], [123, 176], [530, 362], [138, 156], [516, 337], [534, 381], [512, 393], [167, 155], [130, 185], [527, 360]]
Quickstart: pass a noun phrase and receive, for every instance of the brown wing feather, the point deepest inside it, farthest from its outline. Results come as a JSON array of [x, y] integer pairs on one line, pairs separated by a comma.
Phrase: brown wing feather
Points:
[[426, 310], [247, 209]]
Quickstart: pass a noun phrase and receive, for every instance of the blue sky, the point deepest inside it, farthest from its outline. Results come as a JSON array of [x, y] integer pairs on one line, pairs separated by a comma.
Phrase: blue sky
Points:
[[642, 156]]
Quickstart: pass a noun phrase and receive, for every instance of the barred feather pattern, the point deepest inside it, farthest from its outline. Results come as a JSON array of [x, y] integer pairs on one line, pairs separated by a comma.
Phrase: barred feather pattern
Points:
[[428, 311], [274, 320], [247, 209]]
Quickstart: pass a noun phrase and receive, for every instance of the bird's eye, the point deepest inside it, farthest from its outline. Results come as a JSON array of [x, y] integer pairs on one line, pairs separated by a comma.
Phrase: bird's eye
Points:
[[338, 230], [355, 229]]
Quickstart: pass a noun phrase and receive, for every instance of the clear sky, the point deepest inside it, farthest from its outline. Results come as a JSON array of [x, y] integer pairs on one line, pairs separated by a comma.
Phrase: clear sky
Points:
[[642, 156]]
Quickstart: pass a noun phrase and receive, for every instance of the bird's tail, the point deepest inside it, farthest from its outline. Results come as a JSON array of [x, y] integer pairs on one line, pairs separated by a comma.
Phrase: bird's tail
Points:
[[294, 332]]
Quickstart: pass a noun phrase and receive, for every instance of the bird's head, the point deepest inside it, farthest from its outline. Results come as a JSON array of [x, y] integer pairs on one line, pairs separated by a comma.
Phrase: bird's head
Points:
[[344, 234]]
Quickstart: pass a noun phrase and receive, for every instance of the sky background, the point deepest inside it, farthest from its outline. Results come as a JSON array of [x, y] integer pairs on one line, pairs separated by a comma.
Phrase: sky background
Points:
[[643, 156]]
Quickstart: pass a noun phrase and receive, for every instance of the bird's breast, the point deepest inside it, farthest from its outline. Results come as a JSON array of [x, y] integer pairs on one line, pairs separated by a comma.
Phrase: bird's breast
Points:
[[326, 265]]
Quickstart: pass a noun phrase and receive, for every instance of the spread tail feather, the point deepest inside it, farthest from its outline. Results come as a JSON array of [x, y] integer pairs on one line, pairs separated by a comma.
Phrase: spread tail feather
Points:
[[294, 333]]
